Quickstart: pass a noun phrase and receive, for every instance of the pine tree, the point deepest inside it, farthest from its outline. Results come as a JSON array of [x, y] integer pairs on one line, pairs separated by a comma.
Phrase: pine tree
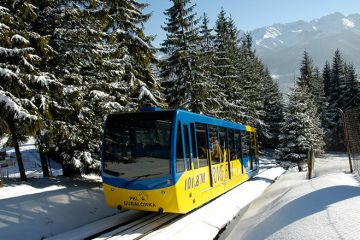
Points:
[[341, 93], [182, 77], [126, 23], [337, 99], [310, 80], [225, 70], [207, 89], [104, 60], [306, 70], [300, 129], [352, 97], [338, 80], [23, 77], [331, 114], [326, 75], [274, 111], [318, 91], [251, 77]]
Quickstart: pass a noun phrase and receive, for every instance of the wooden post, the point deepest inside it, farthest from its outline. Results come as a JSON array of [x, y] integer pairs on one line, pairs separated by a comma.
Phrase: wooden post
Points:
[[310, 162]]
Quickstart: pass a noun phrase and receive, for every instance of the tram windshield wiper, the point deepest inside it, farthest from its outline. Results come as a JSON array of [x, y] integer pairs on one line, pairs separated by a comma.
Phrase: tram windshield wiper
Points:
[[141, 176]]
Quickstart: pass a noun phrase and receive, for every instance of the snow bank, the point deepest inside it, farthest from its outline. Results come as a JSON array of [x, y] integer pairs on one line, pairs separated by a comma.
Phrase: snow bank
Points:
[[325, 207]]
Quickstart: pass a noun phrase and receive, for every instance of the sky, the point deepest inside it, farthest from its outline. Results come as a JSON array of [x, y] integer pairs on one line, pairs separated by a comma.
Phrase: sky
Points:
[[252, 14]]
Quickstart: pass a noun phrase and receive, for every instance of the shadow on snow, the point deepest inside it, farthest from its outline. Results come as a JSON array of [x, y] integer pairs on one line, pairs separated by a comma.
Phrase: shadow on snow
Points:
[[302, 207]]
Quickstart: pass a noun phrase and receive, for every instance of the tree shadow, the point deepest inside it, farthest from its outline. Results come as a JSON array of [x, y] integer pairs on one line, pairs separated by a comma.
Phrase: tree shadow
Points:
[[41, 183], [267, 180], [39, 215], [302, 207]]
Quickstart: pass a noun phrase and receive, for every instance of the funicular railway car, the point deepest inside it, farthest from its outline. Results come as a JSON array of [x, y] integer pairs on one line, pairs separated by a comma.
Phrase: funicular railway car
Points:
[[173, 161]]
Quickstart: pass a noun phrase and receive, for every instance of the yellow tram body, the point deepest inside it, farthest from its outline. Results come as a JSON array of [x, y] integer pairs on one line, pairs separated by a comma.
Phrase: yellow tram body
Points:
[[195, 186]]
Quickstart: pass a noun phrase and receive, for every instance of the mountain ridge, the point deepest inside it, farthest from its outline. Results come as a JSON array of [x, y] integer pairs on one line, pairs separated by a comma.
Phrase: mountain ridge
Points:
[[281, 45]]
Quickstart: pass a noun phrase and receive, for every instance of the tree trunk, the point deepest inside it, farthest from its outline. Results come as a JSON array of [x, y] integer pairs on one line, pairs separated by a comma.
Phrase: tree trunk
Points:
[[44, 163], [70, 170], [18, 153]]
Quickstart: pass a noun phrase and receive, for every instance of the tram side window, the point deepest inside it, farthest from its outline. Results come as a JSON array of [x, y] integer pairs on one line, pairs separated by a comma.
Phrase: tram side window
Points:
[[215, 149], [253, 144], [193, 144], [238, 150], [245, 144], [223, 143], [232, 144], [187, 146], [201, 138], [180, 166]]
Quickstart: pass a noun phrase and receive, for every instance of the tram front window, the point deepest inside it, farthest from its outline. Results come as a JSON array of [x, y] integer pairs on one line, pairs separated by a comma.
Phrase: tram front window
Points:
[[137, 149]]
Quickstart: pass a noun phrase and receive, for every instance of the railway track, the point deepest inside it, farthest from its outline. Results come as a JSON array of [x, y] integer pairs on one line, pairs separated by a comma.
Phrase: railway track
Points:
[[136, 229]]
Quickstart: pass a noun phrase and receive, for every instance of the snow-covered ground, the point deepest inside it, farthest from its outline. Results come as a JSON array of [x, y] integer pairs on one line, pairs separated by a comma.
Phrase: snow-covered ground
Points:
[[325, 207], [45, 207], [41, 208]]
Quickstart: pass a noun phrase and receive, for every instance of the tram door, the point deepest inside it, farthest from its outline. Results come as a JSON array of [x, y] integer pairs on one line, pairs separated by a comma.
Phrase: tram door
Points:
[[189, 156], [253, 151]]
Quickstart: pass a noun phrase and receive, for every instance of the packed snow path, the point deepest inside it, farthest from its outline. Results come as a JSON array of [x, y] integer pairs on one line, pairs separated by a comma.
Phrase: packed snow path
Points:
[[325, 207]]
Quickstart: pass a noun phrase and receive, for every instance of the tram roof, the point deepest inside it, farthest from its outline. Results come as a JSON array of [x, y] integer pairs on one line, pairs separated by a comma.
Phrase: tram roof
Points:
[[179, 114]]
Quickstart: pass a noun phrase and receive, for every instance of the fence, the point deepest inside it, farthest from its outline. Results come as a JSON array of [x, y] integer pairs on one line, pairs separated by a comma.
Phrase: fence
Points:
[[352, 126]]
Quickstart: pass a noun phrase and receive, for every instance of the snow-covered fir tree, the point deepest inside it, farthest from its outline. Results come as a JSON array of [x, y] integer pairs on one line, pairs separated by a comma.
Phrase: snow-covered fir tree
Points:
[[311, 79], [23, 80], [184, 80], [301, 127], [104, 60], [75, 37], [210, 96], [338, 77], [326, 75], [274, 111], [251, 75], [125, 28], [239, 73], [331, 109], [225, 73], [335, 86], [306, 72], [321, 101], [352, 99]]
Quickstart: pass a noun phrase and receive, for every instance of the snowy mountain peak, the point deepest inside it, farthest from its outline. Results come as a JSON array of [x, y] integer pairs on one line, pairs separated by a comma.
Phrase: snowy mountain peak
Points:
[[272, 37], [271, 32], [348, 24]]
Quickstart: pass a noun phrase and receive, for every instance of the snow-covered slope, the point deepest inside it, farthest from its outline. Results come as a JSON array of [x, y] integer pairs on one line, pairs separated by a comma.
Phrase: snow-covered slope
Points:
[[325, 207]]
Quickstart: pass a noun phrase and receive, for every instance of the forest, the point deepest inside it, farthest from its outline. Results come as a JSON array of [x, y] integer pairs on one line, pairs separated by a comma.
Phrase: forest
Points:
[[65, 65]]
